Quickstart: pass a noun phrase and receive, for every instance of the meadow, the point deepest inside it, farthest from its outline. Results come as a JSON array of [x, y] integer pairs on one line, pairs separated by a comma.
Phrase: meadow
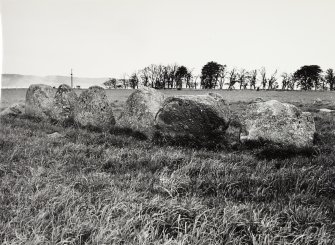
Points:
[[119, 96], [91, 187]]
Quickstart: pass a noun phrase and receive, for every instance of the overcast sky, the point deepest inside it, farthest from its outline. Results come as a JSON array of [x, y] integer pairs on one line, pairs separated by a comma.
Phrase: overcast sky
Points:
[[99, 38]]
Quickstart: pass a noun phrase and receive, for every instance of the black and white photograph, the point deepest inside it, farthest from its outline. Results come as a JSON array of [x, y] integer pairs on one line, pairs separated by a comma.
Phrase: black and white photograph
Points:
[[167, 122]]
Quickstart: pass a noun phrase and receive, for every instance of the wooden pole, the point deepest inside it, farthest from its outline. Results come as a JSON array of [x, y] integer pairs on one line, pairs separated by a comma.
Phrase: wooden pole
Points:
[[71, 79]]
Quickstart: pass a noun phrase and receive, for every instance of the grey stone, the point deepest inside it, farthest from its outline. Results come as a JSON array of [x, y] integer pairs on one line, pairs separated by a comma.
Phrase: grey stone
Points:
[[93, 109], [39, 100], [64, 104], [140, 110], [277, 122], [193, 116], [15, 109]]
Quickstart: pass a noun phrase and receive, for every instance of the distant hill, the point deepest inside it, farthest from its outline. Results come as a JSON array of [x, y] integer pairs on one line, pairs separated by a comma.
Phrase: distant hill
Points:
[[24, 81]]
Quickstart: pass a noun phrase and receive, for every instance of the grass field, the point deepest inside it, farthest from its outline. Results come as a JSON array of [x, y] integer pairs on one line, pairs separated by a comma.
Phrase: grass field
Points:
[[10, 96], [90, 187], [118, 97]]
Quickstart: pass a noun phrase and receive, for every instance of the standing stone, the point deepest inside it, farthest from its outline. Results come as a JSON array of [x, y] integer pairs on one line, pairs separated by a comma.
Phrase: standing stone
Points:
[[195, 117], [93, 109], [39, 100], [64, 104], [140, 110], [15, 109], [279, 123]]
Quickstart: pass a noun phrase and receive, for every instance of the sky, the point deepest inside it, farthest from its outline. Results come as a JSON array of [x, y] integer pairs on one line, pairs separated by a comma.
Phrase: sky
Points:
[[110, 38]]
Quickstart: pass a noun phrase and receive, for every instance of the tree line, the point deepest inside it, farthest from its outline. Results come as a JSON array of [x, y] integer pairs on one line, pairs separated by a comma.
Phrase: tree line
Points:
[[217, 76]]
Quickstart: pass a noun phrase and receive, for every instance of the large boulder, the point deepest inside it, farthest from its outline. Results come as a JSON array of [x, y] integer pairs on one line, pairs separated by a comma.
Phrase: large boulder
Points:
[[39, 100], [93, 109], [279, 123], [140, 110], [64, 103], [195, 117], [15, 109]]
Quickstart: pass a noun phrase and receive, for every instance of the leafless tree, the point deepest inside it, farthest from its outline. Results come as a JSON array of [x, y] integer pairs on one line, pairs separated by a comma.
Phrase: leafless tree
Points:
[[170, 75], [222, 75], [287, 80], [242, 78], [152, 75], [272, 81], [264, 81], [111, 82], [195, 81], [134, 80], [252, 79], [159, 76], [145, 76], [188, 79], [125, 81], [232, 79], [291, 83]]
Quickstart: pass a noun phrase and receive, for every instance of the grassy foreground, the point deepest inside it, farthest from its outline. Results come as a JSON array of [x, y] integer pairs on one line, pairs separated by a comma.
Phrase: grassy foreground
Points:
[[110, 188]]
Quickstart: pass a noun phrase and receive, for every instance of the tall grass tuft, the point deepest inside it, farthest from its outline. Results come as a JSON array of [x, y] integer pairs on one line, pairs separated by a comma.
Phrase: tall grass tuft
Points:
[[93, 187]]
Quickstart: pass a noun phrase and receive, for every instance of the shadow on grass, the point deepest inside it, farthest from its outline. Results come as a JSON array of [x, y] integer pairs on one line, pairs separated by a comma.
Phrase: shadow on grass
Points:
[[212, 142], [128, 132], [265, 150], [28, 117]]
